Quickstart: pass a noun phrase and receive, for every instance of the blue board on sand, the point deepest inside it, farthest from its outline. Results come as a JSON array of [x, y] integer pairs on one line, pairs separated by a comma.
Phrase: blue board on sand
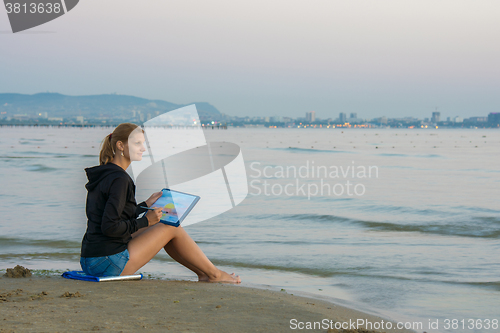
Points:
[[80, 275]]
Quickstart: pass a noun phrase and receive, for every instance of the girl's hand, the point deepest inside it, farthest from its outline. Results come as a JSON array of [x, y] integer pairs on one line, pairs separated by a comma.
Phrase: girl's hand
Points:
[[154, 216], [152, 199]]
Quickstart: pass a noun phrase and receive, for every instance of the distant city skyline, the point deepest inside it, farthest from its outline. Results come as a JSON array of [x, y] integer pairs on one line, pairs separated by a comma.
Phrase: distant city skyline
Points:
[[387, 58], [53, 109], [103, 106]]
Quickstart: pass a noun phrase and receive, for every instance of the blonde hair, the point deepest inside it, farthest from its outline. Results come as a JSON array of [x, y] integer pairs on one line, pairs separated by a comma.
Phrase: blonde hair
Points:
[[108, 144]]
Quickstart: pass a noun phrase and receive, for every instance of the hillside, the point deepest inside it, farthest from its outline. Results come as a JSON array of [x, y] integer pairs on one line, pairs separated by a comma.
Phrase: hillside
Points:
[[111, 106]]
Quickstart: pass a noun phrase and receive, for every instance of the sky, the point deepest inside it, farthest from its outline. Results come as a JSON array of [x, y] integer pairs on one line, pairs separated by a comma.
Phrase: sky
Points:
[[393, 58]]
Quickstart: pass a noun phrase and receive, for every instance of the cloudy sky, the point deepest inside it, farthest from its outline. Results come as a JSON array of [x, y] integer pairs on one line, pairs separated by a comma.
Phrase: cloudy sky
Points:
[[269, 57]]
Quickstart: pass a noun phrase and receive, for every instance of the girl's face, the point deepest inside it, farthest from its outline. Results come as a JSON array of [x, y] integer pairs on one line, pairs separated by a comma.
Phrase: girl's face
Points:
[[136, 145]]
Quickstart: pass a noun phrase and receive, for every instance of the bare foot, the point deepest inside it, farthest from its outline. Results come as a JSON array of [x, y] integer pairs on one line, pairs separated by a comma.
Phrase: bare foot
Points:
[[203, 278], [224, 277]]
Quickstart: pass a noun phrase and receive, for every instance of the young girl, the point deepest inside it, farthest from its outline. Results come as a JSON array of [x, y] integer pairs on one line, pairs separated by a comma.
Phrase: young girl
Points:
[[116, 241]]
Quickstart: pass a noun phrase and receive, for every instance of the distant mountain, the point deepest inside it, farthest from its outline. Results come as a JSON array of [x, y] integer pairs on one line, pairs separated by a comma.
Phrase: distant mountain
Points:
[[94, 106]]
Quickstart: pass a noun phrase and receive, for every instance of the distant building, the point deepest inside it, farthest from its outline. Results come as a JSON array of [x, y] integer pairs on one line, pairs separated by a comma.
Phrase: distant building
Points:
[[253, 125], [448, 119], [266, 119], [21, 117], [458, 119], [435, 117], [310, 116], [353, 118], [494, 118], [478, 119], [79, 119], [342, 117]]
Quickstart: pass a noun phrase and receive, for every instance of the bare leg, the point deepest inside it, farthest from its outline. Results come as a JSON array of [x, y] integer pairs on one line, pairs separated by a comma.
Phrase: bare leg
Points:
[[144, 246], [174, 255], [169, 248], [138, 232], [191, 253]]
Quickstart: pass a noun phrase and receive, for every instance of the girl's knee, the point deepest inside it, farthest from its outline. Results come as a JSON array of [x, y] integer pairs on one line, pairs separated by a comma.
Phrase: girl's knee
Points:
[[165, 228]]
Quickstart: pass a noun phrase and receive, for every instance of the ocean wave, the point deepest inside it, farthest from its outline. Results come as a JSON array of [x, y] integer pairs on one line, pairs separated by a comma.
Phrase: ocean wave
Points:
[[474, 230], [42, 256], [38, 140], [315, 217], [310, 150], [481, 170], [479, 209], [390, 155], [430, 156], [403, 209], [476, 227], [16, 157], [409, 155], [437, 229], [40, 168], [59, 244], [45, 155], [490, 285], [32, 154]]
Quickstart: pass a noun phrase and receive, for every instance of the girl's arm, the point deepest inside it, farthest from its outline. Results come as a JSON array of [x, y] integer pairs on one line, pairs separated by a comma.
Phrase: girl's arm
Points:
[[151, 200], [139, 210], [112, 225]]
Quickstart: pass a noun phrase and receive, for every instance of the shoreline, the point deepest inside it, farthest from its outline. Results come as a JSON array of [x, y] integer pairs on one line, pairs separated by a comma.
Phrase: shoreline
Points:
[[279, 288], [53, 303]]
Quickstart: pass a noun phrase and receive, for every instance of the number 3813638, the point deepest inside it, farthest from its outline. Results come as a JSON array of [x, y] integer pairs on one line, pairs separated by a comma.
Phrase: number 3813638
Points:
[[33, 8], [471, 324]]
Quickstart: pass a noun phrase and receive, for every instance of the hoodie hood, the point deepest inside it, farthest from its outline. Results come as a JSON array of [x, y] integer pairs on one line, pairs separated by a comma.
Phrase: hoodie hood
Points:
[[98, 173]]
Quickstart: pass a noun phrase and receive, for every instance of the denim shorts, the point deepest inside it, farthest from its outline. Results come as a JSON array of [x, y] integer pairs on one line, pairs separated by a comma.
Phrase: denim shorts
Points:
[[112, 265]]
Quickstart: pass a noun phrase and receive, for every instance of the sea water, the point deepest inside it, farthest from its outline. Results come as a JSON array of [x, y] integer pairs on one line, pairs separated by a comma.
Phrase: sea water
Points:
[[403, 223]]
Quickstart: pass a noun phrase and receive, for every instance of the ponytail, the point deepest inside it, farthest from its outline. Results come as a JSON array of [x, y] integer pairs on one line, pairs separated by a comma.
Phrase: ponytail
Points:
[[108, 144], [107, 152]]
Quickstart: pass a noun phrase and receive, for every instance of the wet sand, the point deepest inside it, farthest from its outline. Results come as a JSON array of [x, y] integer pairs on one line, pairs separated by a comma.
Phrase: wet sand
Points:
[[56, 304]]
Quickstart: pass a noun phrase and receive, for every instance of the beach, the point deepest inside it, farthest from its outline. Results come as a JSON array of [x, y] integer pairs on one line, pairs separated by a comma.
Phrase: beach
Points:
[[56, 304]]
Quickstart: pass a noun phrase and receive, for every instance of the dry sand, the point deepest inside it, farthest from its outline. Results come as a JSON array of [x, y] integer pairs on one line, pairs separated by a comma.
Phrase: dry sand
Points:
[[56, 304]]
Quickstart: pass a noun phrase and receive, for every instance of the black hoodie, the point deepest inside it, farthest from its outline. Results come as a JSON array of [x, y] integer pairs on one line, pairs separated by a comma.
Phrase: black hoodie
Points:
[[111, 211]]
